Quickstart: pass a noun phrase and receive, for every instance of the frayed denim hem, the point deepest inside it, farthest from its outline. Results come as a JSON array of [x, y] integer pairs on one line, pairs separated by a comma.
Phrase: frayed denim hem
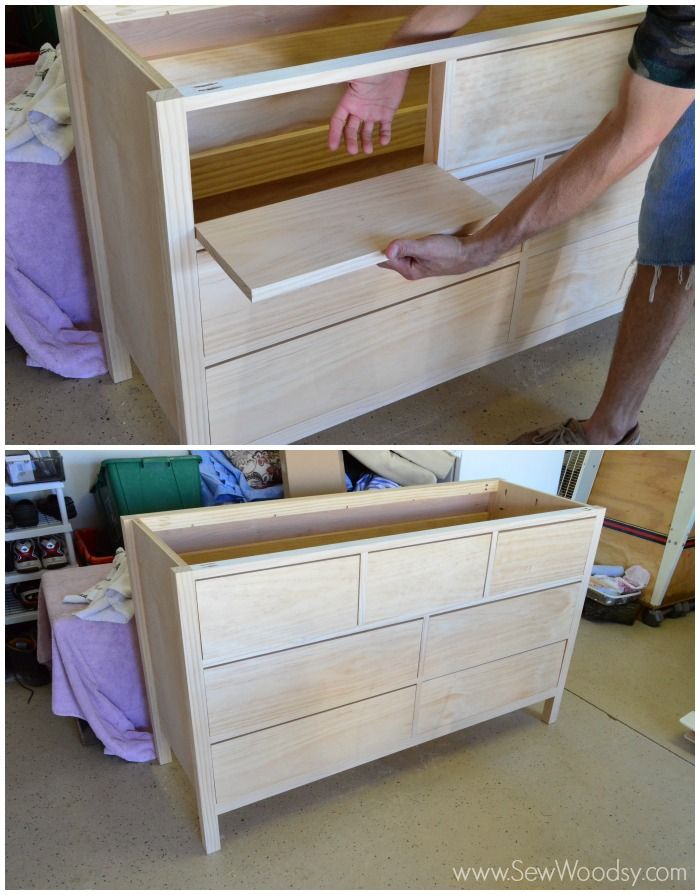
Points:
[[658, 268]]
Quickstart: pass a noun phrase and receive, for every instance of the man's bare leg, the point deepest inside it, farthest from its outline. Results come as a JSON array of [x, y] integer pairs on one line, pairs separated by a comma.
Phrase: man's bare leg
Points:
[[646, 333]]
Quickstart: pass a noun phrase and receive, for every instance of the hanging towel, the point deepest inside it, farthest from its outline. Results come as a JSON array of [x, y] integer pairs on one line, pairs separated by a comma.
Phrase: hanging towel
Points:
[[37, 122], [110, 599]]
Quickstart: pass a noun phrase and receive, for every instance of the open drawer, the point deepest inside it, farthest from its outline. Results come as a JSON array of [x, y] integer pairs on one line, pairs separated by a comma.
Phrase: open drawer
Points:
[[278, 248]]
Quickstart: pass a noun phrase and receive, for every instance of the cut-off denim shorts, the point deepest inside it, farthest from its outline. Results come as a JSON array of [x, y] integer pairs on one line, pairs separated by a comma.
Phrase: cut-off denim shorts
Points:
[[667, 218]]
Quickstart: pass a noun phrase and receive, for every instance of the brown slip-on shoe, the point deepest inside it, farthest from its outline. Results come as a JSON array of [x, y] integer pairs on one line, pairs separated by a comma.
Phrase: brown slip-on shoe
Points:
[[569, 433]]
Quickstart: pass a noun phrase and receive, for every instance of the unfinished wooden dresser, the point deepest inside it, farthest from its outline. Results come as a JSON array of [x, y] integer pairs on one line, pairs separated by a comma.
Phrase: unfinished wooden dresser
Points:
[[285, 641], [266, 324]]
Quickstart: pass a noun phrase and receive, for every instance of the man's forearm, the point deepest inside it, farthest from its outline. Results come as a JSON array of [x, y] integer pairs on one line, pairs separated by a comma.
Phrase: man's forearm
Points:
[[433, 23], [629, 134], [565, 189]]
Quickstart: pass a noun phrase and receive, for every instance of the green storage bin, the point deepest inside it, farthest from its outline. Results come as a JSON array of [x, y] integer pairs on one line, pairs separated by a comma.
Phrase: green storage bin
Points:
[[145, 485]]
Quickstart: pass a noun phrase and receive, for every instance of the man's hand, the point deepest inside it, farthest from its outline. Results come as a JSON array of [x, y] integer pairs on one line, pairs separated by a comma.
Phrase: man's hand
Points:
[[366, 102], [438, 256]]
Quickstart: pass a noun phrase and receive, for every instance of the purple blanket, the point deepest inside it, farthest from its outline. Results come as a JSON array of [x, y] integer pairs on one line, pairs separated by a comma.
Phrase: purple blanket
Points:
[[50, 303], [96, 666]]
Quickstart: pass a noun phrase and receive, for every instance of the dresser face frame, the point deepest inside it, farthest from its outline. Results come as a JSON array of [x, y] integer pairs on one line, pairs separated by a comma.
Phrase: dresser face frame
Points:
[[288, 640], [225, 369]]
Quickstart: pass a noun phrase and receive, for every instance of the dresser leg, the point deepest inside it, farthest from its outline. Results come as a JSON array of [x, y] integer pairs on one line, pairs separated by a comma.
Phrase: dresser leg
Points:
[[165, 756], [550, 712], [209, 825]]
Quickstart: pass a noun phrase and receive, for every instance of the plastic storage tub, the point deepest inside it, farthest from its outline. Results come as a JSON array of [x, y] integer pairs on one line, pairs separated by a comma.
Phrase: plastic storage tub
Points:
[[145, 485]]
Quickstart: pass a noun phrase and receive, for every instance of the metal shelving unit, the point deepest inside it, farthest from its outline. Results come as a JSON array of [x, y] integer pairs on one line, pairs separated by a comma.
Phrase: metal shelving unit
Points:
[[14, 610]]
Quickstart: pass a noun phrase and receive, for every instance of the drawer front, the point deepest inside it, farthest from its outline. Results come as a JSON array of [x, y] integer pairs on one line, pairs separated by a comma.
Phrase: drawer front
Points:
[[260, 764], [575, 280], [495, 111], [502, 186], [347, 369], [425, 577], [253, 612], [617, 207], [544, 553], [233, 325], [470, 637], [256, 693], [448, 701]]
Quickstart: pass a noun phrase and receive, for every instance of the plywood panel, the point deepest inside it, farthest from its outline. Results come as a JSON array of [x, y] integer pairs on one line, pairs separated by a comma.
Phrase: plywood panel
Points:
[[260, 764], [256, 693], [159, 624], [313, 472], [640, 487], [257, 611], [448, 700], [272, 250], [362, 364], [130, 213], [682, 586], [567, 283], [276, 51], [217, 554], [539, 554], [533, 98], [425, 577], [210, 27], [469, 637]]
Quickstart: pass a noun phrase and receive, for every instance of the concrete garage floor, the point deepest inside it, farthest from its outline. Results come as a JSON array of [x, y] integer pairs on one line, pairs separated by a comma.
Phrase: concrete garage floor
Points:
[[611, 781], [556, 380]]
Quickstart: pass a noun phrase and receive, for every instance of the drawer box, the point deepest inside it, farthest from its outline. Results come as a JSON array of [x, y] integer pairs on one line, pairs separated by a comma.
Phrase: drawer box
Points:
[[257, 693], [252, 767], [326, 376], [469, 637], [451, 700], [413, 580], [273, 608], [540, 555]]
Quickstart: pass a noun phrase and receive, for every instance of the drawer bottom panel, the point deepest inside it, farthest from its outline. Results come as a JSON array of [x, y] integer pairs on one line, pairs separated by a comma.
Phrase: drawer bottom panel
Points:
[[447, 701], [362, 363], [261, 764]]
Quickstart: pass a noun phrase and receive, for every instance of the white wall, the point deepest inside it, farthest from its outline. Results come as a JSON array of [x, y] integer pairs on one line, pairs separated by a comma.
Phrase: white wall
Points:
[[537, 468], [81, 469]]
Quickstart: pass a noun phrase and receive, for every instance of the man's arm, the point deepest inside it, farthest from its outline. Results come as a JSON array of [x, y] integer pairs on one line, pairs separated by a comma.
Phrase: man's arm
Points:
[[644, 115], [371, 101]]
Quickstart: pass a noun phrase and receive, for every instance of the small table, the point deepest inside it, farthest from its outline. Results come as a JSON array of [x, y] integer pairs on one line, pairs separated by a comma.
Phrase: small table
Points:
[[96, 666]]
